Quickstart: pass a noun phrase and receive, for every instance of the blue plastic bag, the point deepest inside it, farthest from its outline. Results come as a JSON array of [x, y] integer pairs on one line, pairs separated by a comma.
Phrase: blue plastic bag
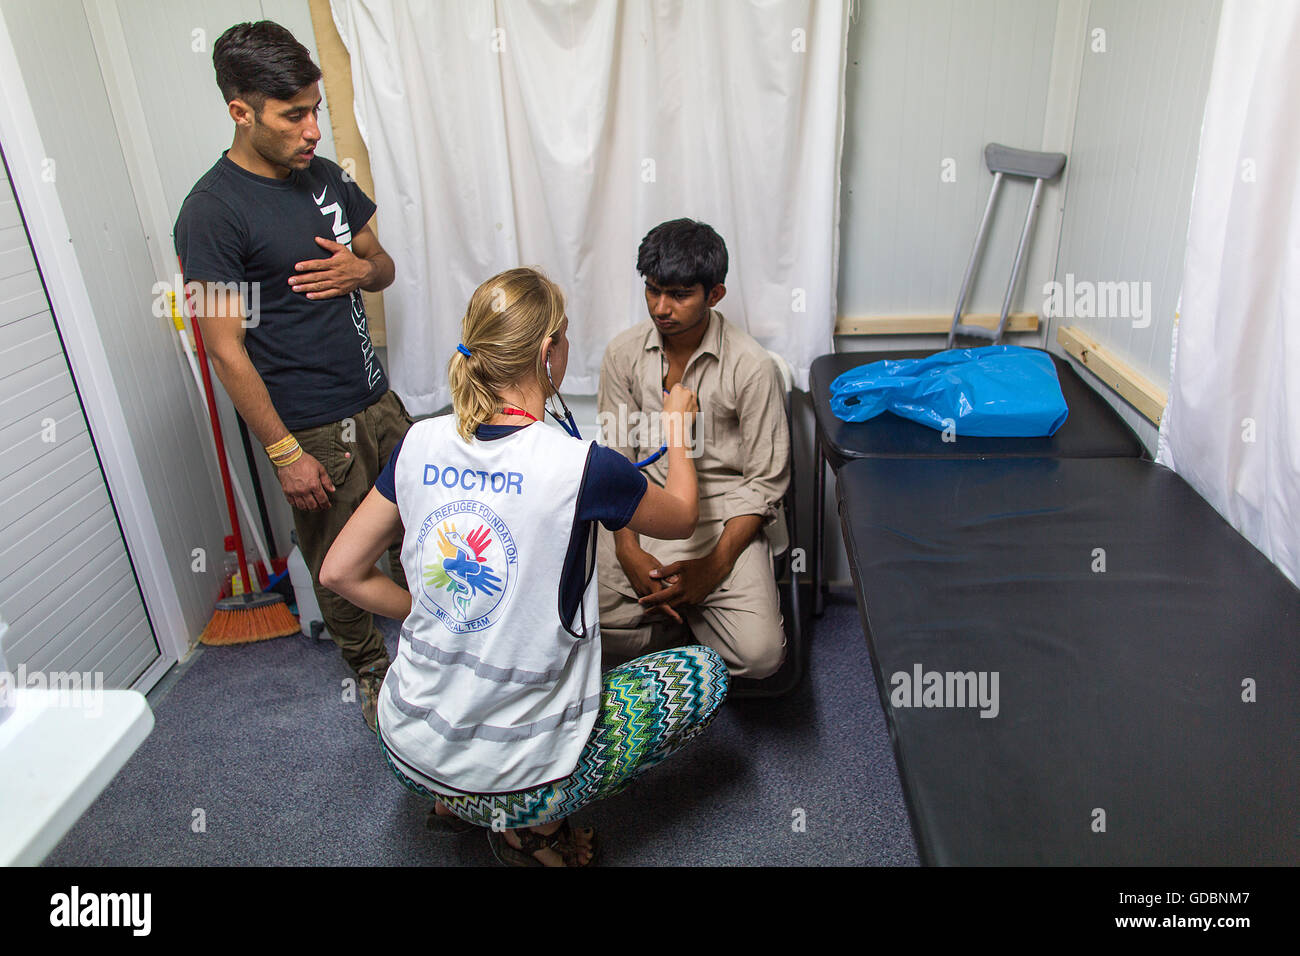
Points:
[[999, 391]]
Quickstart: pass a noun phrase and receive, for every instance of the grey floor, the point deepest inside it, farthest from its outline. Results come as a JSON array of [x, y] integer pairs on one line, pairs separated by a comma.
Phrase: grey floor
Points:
[[255, 759]]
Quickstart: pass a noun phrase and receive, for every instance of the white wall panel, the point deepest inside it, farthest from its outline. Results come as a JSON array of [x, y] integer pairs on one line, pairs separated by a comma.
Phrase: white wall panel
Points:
[[1132, 168], [61, 73], [929, 82]]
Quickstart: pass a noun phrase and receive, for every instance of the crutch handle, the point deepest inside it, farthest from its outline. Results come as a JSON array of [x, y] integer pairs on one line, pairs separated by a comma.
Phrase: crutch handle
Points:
[[1023, 162]]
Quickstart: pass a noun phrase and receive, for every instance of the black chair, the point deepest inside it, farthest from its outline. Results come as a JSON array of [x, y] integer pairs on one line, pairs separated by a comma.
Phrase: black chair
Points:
[[794, 608]]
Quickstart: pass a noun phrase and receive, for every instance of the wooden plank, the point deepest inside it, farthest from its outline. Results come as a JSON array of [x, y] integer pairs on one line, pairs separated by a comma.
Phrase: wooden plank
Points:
[[925, 324], [336, 73], [1138, 391]]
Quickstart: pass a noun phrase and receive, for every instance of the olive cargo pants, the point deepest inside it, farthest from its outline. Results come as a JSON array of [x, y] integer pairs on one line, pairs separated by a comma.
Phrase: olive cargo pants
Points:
[[353, 452]]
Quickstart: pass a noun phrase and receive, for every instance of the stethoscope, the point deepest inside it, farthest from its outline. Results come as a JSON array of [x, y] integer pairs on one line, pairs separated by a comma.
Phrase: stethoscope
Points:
[[570, 426]]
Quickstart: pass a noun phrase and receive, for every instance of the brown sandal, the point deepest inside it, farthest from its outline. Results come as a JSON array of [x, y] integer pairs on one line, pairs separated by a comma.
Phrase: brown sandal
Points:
[[561, 841]]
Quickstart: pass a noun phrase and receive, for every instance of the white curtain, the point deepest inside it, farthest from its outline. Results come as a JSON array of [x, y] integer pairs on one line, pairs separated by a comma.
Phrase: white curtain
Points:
[[1232, 427], [557, 134]]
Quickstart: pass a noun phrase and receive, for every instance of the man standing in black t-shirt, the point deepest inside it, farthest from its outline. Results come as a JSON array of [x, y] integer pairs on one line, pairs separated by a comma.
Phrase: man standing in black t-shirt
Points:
[[279, 238]]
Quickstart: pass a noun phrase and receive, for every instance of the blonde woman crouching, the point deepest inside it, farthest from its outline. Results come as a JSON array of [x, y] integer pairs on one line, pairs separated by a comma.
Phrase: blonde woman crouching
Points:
[[496, 707]]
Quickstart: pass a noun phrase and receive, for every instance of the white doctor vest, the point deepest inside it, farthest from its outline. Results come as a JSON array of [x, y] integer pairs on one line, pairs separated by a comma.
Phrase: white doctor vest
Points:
[[491, 690]]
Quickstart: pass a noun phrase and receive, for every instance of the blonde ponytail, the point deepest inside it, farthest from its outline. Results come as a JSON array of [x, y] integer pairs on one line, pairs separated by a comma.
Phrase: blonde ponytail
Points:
[[508, 318]]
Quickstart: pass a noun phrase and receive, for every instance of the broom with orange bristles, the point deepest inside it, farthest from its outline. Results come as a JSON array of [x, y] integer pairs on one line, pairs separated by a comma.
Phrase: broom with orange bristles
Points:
[[245, 617]]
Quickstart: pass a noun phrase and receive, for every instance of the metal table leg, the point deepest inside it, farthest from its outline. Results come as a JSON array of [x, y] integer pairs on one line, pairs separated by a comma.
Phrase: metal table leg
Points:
[[819, 525]]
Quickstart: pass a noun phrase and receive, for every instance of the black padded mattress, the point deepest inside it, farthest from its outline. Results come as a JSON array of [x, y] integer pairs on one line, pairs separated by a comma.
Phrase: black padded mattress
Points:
[[1092, 430], [1147, 660]]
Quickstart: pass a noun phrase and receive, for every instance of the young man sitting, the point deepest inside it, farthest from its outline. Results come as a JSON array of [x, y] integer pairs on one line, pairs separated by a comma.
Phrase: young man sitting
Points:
[[719, 583]]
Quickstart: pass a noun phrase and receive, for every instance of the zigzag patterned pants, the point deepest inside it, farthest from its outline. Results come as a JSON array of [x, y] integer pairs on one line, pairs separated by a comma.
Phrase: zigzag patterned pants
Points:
[[650, 707]]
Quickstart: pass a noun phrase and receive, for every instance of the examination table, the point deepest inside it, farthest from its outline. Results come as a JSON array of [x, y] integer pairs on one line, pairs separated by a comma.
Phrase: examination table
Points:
[[1145, 709]]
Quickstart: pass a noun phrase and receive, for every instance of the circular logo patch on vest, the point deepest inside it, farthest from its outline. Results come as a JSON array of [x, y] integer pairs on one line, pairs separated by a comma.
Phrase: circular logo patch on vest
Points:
[[468, 562]]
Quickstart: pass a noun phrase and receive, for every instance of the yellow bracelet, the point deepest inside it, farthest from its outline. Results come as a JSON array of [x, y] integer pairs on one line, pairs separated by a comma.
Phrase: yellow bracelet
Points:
[[281, 447], [287, 460], [284, 452]]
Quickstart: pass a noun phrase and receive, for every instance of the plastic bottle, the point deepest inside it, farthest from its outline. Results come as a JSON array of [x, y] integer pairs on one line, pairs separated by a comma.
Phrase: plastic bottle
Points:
[[309, 617], [229, 568], [232, 582]]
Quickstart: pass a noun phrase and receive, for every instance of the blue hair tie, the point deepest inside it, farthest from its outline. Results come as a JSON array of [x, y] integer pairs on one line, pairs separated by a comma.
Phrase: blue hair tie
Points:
[[462, 350]]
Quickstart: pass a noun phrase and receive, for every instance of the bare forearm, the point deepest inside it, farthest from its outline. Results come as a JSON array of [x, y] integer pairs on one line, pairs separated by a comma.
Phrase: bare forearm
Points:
[[248, 393], [625, 539], [681, 481], [736, 536], [376, 592], [382, 271]]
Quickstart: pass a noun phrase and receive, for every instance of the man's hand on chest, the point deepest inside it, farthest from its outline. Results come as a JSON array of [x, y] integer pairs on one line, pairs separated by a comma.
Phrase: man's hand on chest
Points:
[[341, 274]]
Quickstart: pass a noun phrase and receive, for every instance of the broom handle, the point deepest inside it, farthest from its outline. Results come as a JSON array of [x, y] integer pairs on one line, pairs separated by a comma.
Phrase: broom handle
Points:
[[221, 449]]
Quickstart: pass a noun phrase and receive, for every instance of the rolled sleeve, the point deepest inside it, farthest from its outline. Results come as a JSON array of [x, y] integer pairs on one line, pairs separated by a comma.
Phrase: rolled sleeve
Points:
[[765, 440]]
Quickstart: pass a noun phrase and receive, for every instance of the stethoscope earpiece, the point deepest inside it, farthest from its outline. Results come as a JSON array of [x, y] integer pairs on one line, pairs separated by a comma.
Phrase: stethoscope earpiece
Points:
[[567, 422]]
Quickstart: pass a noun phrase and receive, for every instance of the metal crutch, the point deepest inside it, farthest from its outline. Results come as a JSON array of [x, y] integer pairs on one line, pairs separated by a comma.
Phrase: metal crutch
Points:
[[1005, 161]]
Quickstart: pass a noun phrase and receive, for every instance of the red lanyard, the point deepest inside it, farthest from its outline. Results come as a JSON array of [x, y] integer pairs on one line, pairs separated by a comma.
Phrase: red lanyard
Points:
[[509, 410]]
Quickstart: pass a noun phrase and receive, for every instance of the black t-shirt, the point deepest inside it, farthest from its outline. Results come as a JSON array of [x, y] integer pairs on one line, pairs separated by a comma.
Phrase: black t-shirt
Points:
[[314, 355]]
